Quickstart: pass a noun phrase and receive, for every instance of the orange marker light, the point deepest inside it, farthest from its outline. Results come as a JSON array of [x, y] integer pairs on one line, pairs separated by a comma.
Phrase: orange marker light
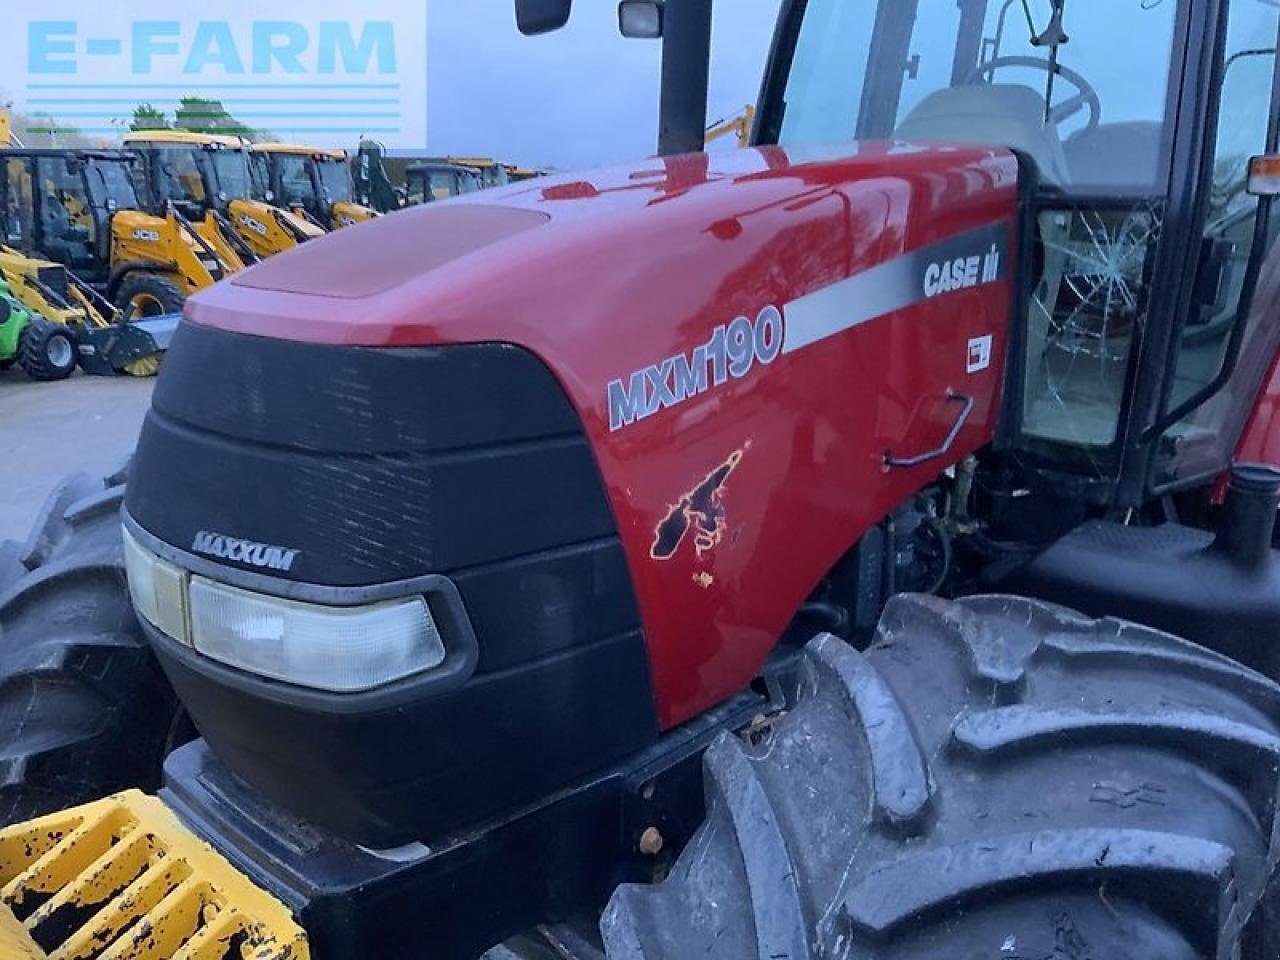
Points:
[[1264, 175]]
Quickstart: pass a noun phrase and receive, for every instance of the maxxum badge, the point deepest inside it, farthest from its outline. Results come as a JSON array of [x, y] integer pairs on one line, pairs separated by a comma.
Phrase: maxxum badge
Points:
[[262, 555]]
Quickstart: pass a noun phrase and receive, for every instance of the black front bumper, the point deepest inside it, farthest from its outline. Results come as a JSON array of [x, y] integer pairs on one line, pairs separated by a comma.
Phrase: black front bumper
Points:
[[555, 859]]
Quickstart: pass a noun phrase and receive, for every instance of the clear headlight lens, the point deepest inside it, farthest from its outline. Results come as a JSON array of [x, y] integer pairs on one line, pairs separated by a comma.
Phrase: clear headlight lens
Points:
[[158, 589], [337, 649], [342, 649]]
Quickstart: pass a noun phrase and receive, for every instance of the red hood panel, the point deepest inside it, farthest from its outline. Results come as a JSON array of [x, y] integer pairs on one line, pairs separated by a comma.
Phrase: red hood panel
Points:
[[384, 254], [745, 336]]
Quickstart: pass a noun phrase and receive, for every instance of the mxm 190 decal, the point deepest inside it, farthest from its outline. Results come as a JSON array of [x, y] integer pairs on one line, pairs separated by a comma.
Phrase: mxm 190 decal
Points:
[[731, 352]]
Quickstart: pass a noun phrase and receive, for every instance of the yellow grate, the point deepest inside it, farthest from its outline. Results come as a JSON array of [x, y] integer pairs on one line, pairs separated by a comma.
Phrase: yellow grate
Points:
[[122, 879]]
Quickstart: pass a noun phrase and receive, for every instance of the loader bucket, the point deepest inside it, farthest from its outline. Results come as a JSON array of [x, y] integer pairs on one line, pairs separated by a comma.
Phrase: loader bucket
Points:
[[122, 879]]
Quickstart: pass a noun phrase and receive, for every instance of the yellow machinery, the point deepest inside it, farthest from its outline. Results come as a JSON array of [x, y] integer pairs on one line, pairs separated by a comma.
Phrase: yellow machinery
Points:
[[6, 127], [738, 126], [437, 180], [208, 178], [121, 879], [310, 181], [492, 173], [80, 209], [106, 343]]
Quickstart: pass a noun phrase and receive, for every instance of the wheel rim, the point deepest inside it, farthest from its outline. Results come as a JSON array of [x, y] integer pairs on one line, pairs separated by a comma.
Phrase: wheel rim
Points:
[[146, 305], [58, 352]]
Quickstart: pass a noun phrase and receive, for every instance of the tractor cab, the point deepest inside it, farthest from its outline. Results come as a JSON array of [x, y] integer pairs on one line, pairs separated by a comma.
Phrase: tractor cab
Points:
[[429, 182], [492, 173], [1138, 353], [59, 205], [315, 183], [194, 172]]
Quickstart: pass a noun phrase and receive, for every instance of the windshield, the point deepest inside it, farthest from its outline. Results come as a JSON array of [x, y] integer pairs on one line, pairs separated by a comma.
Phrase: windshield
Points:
[[1088, 97], [260, 176], [335, 175], [231, 173], [113, 181], [178, 175], [296, 188]]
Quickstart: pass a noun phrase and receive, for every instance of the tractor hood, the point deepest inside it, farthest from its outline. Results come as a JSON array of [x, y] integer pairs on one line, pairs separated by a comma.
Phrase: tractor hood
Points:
[[697, 358]]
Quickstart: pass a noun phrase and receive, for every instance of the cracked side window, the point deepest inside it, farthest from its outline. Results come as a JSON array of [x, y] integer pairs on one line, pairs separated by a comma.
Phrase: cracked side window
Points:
[[1088, 311]]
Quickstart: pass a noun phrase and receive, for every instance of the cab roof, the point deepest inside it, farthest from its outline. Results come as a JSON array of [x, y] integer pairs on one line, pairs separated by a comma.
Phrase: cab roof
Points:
[[184, 137], [300, 150]]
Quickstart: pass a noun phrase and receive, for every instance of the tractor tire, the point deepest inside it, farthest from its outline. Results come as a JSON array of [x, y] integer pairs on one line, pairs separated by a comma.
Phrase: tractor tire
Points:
[[47, 351], [995, 779], [145, 295], [84, 708]]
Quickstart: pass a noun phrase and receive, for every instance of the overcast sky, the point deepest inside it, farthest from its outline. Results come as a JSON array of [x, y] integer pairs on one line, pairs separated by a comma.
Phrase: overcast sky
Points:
[[579, 97]]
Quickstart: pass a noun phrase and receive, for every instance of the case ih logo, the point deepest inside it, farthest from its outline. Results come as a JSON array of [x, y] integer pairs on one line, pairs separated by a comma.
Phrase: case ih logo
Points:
[[963, 272], [730, 353], [261, 555]]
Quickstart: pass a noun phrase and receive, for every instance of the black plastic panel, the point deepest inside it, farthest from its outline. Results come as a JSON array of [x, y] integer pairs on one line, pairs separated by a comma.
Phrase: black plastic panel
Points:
[[380, 467]]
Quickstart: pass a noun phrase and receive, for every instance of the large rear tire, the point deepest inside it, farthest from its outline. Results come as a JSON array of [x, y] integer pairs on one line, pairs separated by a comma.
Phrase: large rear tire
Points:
[[84, 708], [994, 778]]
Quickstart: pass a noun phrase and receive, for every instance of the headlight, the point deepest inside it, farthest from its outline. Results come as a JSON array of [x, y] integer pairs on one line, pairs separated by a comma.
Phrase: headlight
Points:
[[342, 649], [158, 589], [337, 649]]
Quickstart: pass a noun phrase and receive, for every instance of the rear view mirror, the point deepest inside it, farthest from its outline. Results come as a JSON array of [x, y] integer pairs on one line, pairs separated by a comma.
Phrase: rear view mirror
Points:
[[641, 19], [541, 16], [1264, 175]]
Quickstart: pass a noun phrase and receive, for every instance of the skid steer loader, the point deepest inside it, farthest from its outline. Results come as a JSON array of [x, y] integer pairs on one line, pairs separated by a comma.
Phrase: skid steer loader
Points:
[[314, 183], [54, 321], [665, 561], [80, 209], [210, 179]]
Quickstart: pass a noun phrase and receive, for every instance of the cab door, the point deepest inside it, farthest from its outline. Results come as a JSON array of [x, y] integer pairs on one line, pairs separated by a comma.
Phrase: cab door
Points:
[[1228, 335]]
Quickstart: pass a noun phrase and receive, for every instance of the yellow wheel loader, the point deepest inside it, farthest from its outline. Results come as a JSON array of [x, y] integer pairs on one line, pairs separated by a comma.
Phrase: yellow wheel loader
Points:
[[209, 179], [312, 182], [80, 209], [61, 310]]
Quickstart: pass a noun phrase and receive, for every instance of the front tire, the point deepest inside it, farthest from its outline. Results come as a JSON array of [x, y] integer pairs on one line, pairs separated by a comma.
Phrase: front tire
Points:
[[994, 778], [47, 351], [84, 707], [146, 295]]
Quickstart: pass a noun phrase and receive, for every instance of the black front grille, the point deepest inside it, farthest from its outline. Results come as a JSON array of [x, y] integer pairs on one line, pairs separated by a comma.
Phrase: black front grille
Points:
[[384, 465]]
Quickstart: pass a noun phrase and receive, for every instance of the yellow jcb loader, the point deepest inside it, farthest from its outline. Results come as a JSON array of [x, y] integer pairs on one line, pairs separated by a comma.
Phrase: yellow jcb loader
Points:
[[80, 209], [312, 182], [209, 179]]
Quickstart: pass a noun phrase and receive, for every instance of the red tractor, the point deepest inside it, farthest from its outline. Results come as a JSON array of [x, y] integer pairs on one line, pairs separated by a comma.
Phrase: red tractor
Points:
[[687, 546]]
